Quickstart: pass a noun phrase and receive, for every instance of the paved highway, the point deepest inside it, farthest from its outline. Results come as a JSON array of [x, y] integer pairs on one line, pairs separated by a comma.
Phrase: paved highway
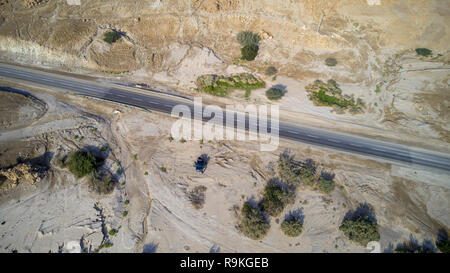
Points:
[[163, 103]]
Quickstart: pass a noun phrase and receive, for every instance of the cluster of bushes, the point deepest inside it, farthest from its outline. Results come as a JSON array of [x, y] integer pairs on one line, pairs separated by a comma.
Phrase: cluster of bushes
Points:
[[412, 247], [253, 223], [222, 85], [295, 173], [250, 45], [111, 36], [279, 194], [361, 230], [329, 94]]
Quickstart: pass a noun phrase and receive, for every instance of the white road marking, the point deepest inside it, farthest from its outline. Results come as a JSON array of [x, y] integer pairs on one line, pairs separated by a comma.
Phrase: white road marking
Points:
[[293, 132], [136, 99], [332, 140], [312, 136], [356, 145]]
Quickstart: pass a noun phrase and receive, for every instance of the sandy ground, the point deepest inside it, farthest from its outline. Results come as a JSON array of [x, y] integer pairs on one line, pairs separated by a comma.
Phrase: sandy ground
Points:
[[238, 172], [158, 174]]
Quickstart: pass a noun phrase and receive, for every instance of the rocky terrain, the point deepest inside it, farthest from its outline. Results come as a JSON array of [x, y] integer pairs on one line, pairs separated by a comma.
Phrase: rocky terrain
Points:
[[169, 44], [45, 208]]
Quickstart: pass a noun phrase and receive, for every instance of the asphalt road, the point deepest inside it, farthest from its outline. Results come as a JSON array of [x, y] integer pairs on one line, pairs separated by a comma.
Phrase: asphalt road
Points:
[[363, 146]]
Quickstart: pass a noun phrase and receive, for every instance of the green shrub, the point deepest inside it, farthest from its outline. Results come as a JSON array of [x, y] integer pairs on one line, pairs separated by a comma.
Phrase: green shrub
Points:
[[378, 89], [287, 170], [292, 226], [424, 52], [104, 245], [329, 94], [197, 197], [82, 163], [271, 70], [124, 214], [325, 185], [249, 52], [412, 246], [222, 85], [308, 175], [331, 100], [274, 93], [444, 246], [111, 36], [253, 224], [331, 62], [292, 174], [102, 182], [248, 38], [113, 232], [275, 199], [360, 230]]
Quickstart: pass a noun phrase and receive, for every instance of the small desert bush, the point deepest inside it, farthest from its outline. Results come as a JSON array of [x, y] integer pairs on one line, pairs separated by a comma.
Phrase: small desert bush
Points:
[[82, 163], [275, 199], [113, 232], [287, 170], [274, 93], [253, 223], [292, 226], [444, 246], [197, 197], [102, 182], [424, 52], [107, 244], [413, 246], [249, 52], [331, 62], [293, 174], [111, 36], [325, 185], [308, 174], [270, 71], [360, 230], [248, 38]]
